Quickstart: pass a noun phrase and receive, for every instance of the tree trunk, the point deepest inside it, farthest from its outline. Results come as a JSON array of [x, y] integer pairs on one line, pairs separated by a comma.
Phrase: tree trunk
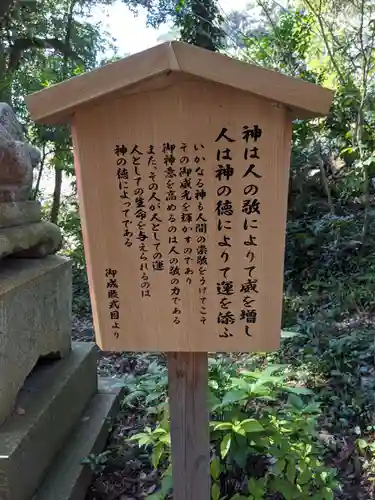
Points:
[[55, 209], [39, 178], [323, 177], [5, 88], [58, 171], [366, 204]]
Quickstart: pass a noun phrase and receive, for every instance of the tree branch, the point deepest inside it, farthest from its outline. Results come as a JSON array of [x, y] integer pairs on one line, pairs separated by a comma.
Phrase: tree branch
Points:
[[326, 41], [22, 44]]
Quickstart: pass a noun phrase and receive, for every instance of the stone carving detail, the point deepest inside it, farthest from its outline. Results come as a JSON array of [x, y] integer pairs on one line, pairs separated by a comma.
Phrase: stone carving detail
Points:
[[22, 232]]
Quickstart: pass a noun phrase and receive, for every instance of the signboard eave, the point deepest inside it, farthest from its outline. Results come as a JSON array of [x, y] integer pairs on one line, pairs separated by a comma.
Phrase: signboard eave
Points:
[[57, 104]]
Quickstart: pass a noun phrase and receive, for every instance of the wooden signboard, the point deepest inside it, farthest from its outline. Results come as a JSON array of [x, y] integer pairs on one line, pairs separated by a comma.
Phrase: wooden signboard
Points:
[[182, 161]]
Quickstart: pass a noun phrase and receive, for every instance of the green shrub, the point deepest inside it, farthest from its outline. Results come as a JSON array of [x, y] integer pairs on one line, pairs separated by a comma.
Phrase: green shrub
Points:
[[263, 433]]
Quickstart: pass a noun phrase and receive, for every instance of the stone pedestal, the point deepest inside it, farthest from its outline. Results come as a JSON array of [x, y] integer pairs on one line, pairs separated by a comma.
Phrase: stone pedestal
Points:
[[35, 319], [62, 410], [53, 412]]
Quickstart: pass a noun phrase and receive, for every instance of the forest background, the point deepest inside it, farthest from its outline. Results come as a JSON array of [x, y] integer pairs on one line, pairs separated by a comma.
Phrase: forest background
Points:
[[298, 423]]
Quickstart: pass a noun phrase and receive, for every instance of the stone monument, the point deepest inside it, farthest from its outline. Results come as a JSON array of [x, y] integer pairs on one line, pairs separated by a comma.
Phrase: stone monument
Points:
[[48, 387], [35, 295]]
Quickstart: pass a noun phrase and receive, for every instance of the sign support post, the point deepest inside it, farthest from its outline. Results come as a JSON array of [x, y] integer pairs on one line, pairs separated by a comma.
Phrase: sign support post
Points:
[[188, 402]]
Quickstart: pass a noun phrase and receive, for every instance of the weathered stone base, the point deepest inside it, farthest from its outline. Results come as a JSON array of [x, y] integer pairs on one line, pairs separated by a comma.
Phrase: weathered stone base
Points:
[[69, 478], [36, 239], [52, 400], [35, 320], [19, 213]]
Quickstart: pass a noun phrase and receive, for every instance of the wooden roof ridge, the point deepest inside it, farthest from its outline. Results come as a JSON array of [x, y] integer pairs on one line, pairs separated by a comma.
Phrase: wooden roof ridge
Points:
[[56, 103]]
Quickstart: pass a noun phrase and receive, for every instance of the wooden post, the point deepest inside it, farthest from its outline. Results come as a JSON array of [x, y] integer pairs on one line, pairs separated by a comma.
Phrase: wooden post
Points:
[[188, 401]]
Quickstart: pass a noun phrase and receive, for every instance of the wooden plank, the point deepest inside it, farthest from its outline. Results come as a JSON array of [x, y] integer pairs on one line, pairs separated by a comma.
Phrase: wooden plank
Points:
[[184, 309], [57, 103], [305, 99], [188, 401]]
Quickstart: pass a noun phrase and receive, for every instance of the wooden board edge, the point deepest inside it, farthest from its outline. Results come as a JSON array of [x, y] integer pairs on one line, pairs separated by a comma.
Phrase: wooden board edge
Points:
[[304, 99]]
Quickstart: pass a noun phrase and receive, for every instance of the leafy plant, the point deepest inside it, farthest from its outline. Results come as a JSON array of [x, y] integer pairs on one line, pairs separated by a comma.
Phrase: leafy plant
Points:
[[263, 434]]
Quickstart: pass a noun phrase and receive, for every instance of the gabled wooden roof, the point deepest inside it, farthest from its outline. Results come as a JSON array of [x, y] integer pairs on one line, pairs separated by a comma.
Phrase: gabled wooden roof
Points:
[[167, 64]]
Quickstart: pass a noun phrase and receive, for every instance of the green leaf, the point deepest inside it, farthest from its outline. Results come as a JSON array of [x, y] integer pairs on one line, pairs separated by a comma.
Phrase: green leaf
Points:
[[328, 494], [300, 391], [180, 5], [223, 426], [279, 467], [256, 487], [291, 471], [362, 444], [153, 397], [281, 485], [134, 395], [215, 468], [225, 445], [239, 430], [288, 334], [156, 454], [295, 401], [234, 396], [240, 383], [215, 492], [305, 476], [166, 485], [159, 432], [213, 401], [251, 425], [156, 496], [144, 441], [369, 161], [165, 439]]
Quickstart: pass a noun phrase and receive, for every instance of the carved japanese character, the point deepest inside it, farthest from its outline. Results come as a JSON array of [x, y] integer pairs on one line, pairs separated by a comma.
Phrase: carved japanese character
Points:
[[250, 170], [202, 259], [251, 241], [223, 135], [225, 288], [226, 242], [113, 294], [120, 150], [185, 184], [174, 270], [167, 147], [158, 265], [225, 171], [251, 206], [227, 318], [224, 191], [251, 190], [251, 153], [249, 286], [170, 172], [224, 154], [224, 303], [186, 217], [135, 150], [226, 333], [224, 207], [224, 225]]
